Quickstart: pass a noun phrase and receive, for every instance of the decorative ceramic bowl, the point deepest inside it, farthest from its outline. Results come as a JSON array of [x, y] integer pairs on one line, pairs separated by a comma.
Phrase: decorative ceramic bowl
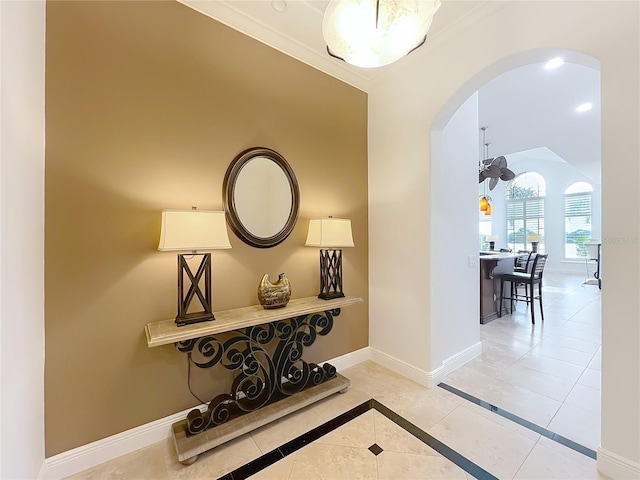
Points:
[[274, 295]]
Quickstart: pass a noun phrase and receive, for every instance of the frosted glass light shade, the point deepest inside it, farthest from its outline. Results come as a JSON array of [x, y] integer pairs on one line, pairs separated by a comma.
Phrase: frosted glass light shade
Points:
[[329, 232], [193, 230], [353, 33]]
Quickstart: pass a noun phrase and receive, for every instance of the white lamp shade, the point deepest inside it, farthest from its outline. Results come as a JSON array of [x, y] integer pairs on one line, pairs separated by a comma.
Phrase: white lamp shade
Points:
[[329, 232], [535, 238], [492, 238], [193, 230], [353, 33], [592, 248]]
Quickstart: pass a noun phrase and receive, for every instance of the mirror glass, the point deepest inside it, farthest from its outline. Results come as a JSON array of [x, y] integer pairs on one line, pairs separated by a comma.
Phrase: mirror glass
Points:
[[260, 194], [262, 183]]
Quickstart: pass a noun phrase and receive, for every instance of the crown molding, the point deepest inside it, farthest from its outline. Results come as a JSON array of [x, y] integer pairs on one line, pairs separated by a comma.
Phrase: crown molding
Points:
[[482, 10], [230, 14], [297, 32]]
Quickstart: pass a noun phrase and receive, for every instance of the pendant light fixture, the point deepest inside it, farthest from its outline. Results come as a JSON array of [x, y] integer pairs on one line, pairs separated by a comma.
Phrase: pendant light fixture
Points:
[[375, 33], [485, 206], [484, 203]]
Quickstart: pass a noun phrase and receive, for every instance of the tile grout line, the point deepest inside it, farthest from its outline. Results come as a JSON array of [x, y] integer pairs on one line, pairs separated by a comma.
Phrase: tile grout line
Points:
[[515, 475], [573, 350], [523, 422], [540, 373], [570, 392]]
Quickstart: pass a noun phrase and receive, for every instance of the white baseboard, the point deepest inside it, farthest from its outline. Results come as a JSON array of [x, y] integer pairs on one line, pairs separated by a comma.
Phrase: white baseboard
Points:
[[350, 359], [87, 456], [42, 474], [459, 359], [428, 378], [401, 367], [615, 466], [94, 453]]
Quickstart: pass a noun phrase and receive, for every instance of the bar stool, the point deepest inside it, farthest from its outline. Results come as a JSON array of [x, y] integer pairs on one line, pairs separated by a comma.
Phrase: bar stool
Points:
[[521, 262], [529, 280]]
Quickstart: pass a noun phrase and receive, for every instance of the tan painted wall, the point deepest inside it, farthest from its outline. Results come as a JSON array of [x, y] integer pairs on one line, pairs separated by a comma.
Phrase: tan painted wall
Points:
[[146, 105]]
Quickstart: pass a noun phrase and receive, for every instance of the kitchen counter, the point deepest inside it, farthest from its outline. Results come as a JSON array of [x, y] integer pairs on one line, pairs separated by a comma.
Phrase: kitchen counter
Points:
[[492, 266], [489, 255]]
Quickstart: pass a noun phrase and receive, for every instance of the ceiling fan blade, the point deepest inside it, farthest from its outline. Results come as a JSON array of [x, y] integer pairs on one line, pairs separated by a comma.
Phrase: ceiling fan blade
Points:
[[500, 161], [487, 161], [507, 174], [481, 177], [492, 171], [493, 182]]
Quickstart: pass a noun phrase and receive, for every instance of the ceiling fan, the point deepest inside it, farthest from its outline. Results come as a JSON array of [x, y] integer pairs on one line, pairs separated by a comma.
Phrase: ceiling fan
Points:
[[494, 168]]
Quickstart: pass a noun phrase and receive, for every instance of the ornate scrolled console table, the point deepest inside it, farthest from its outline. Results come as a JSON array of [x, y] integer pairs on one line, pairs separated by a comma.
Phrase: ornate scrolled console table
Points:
[[270, 381]]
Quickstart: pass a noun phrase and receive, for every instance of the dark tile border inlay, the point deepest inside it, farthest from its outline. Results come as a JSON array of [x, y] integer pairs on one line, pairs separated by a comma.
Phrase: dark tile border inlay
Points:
[[288, 448], [521, 421], [375, 449]]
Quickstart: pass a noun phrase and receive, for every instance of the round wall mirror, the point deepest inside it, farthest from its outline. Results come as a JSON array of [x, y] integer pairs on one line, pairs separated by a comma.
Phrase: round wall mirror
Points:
[[261, 197]]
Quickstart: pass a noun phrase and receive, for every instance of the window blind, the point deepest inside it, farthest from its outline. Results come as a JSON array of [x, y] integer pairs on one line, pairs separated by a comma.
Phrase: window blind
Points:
[[577, 205]]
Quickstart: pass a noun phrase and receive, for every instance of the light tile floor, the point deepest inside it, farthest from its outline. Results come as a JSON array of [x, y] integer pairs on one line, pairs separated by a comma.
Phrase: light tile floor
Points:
[[548, 373]]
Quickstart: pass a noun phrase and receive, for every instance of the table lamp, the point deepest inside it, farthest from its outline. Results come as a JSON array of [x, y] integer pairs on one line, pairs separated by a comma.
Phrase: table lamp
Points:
[[329, 234], [193, 230], [492, 239], [535, 240]]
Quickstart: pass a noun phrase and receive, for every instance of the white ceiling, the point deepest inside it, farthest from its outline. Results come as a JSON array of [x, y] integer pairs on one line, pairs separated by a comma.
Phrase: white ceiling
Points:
[[525, 108], [531, 107]]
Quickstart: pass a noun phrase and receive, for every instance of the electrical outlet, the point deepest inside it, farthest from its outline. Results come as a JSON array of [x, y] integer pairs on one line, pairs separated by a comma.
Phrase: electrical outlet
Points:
[[471, 260]]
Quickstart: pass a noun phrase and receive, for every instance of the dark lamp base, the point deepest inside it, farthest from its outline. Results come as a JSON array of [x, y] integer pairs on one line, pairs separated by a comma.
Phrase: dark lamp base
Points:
[[194, 318], [189, 289], [331, 295], [330, 274]]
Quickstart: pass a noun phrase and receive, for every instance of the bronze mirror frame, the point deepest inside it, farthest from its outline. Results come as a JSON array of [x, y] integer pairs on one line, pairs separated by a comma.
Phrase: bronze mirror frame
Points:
[[228, 197]]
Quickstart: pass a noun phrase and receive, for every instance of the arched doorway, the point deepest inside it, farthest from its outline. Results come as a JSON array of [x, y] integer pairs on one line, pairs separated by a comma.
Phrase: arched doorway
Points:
[[405, 103], [455, 136]]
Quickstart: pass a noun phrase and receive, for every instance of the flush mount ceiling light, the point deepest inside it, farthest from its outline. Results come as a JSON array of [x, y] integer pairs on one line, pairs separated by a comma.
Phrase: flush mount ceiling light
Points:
[[279, 5], [375, 33], [554, 63], [585, 107]]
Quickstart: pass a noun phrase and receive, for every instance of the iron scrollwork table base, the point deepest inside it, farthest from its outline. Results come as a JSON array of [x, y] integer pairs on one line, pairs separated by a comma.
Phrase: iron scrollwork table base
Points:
[[270, 381]]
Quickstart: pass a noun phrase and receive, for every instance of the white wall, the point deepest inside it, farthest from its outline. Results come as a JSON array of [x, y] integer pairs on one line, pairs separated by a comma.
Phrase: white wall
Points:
[[455, 325], [434, 82], [22, 52], [399, 202]]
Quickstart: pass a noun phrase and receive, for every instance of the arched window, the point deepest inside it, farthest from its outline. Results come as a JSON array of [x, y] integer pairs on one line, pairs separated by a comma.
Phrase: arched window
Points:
[[525, 211], [577, 219]]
